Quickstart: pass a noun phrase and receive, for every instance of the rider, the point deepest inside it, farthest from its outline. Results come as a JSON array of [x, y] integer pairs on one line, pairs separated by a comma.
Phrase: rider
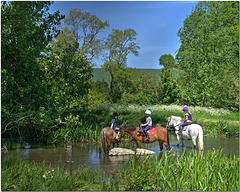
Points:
[[188, 117], [148, 124], [114, 124]]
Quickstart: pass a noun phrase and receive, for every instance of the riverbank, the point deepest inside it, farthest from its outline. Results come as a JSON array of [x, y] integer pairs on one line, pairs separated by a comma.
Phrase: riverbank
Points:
[[215, 122], [85, 127], [190, 172]]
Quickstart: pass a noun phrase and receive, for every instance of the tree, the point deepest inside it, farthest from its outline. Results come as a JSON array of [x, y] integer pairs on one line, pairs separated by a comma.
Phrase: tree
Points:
[[167, 61], [119, 44], [27, 28], [209, 55], [85, 28]]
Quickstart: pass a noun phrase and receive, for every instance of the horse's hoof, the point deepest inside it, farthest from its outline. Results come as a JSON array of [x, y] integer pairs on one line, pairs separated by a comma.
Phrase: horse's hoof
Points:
[[177, 145]]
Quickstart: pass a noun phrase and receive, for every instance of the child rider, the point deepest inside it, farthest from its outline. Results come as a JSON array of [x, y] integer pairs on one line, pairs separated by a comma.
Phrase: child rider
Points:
[[114, 124], [148, 124]]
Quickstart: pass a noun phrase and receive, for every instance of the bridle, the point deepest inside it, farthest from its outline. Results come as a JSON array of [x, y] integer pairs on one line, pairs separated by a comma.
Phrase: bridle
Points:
[[172, 125]]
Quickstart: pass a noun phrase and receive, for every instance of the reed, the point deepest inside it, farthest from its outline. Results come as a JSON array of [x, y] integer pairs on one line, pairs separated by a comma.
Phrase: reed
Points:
[[192, 171], [79, 133]]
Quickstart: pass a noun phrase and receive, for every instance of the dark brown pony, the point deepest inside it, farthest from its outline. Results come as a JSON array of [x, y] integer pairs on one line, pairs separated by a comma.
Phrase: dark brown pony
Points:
[[161, 135], [107, 136]]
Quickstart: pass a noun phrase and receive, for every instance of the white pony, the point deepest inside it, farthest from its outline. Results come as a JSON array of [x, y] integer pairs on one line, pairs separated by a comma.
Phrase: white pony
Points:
[[193, 132]]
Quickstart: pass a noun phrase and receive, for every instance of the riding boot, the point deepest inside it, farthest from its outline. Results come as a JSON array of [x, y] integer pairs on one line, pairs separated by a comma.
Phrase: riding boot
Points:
[[140, 129], [146, 133]]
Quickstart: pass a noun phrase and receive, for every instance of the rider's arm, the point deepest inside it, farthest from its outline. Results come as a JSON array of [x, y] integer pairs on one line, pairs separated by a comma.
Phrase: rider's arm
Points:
[[146, 123], [186, 117], [111, 125]]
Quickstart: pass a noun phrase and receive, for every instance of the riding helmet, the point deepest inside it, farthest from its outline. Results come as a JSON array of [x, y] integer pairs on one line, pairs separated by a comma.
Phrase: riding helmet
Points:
[[115, 114], [185, 108]]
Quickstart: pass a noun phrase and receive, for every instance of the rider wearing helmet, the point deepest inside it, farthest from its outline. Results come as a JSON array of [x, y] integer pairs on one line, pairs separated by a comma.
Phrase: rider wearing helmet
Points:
[[148, 124], [188, 117], [114, 124]]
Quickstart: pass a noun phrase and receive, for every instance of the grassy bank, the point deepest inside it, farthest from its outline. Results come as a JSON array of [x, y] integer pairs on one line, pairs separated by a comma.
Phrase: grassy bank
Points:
[[190, 172], [215, 122]]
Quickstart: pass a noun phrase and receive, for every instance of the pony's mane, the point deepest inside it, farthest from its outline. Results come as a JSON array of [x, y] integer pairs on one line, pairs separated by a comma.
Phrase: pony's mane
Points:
[[130, 127], [176, 118]]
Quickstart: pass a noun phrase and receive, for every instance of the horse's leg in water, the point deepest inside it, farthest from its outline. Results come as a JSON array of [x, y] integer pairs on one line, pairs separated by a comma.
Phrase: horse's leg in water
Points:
[[183, 143], [160, 144], [113, 145], [118, 144], [194, 142], [178, 140], [108, 144], [138, 143]]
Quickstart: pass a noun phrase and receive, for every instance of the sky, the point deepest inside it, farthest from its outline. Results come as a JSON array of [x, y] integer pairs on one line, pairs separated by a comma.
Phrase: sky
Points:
[[156, 23]]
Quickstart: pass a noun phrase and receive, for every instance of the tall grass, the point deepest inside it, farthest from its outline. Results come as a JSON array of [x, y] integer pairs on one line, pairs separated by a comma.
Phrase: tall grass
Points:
[[209, 118], [20, 175], [192, 171], [79, 133]]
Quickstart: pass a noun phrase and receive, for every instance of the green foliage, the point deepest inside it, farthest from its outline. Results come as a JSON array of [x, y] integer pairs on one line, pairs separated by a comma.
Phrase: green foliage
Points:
[[20, 175], [84, 28], [167, 61], [119, 44], [209, 55], [192, 171]]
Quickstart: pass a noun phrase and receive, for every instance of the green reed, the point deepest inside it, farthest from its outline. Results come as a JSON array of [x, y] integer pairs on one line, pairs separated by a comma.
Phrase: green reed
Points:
[[192, 171], [79, 133], [20, 175]]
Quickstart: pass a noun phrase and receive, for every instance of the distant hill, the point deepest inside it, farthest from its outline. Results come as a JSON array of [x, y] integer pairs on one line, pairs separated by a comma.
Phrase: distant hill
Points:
[[99, 74]]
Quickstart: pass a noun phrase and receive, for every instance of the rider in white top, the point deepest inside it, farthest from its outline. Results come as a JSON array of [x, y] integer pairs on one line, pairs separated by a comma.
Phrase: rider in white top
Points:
[[148, 124]]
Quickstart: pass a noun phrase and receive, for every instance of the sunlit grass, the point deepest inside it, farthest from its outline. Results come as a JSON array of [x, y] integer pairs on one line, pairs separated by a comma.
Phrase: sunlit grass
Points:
[[191, 171]]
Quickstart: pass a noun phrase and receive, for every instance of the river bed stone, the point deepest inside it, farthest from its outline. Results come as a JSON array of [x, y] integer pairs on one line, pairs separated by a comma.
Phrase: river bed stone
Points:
[[123, 151]]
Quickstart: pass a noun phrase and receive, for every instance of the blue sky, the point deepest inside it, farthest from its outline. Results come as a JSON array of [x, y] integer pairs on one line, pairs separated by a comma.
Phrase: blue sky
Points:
[[156, 22]]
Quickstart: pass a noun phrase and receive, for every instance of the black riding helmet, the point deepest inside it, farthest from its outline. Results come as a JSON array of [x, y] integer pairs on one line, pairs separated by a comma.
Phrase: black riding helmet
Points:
[[115, 114]]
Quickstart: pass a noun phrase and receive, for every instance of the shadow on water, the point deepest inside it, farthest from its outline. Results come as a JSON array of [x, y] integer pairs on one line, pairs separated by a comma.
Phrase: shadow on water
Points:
[[87, 154]]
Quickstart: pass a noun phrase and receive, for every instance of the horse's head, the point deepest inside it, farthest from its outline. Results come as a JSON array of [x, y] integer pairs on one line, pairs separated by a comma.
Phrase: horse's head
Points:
[[173, 121], [126, 129], [122, 132]]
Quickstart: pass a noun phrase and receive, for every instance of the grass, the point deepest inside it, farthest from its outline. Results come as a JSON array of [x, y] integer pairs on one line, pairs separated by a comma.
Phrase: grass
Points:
[[192, 171], [215, 122]]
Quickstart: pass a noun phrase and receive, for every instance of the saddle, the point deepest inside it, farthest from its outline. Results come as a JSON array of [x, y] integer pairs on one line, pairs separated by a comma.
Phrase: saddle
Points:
[[185, 127], [150, 132]]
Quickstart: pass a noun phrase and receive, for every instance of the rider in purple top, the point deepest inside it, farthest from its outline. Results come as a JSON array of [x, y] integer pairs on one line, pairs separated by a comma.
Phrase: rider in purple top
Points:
[[188, 117]]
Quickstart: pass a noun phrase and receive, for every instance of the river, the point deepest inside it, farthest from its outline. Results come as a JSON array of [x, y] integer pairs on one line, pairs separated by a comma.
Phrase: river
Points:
[[87, 154]]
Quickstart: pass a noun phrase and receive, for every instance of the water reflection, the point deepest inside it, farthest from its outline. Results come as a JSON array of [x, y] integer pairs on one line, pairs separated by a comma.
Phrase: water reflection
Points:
[[87, 154]]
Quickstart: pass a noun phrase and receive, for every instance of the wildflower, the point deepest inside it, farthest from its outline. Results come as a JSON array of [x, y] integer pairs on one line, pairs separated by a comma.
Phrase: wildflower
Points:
[[52, 170], [49, 171], [44, 176], [14, 186]]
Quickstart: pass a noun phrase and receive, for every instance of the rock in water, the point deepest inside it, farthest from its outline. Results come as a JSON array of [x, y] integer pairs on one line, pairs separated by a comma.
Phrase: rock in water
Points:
[[121, 151], [144, 152]]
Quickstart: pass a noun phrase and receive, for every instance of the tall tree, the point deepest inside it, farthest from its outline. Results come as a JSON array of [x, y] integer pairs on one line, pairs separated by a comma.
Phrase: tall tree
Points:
[[119, 44], [27, 28], [167, 61], [85, 28], [209, 54]]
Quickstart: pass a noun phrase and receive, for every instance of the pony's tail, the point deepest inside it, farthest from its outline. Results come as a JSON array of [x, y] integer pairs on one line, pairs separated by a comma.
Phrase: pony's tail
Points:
[[200, 139], [104, 140]]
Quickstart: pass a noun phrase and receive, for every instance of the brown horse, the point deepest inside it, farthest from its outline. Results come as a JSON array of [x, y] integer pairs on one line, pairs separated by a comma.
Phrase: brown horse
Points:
[[161, 135], [108, 136]]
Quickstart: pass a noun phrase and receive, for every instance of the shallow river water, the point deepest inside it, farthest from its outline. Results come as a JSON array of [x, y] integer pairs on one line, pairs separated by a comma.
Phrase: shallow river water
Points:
[[87, 154]]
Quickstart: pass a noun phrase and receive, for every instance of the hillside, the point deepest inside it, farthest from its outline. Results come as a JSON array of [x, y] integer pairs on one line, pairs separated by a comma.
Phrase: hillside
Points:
[[99, 74]]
